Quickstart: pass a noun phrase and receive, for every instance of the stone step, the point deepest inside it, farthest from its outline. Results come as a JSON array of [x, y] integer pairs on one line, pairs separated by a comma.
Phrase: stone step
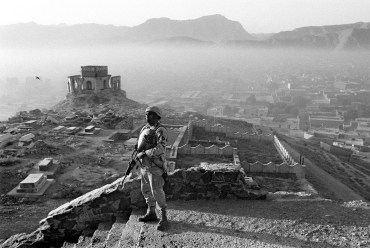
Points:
[[132, 232], [115, 233], [83, 242], [100, 234], [68, 245]]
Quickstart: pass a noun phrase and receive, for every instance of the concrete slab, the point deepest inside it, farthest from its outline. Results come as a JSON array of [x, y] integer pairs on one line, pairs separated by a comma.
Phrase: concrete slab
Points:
[[32, 180], [50, 173], [41, 192], [45, 164]]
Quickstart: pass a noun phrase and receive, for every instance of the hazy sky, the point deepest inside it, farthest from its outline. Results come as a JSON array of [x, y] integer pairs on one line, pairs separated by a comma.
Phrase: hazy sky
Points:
[[256, 16]]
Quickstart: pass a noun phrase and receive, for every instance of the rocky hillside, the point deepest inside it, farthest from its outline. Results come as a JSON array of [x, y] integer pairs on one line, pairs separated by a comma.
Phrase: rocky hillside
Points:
[[92, 103]]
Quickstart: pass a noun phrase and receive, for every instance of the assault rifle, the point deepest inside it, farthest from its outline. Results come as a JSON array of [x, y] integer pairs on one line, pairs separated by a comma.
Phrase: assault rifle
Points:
[[131, 164]]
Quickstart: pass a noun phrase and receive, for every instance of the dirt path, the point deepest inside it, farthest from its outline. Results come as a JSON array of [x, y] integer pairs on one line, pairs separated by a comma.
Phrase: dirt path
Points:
[[325, 183]]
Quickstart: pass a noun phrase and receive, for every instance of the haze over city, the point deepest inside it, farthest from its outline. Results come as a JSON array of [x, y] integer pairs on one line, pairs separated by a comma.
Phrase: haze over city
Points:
[[264, 16]]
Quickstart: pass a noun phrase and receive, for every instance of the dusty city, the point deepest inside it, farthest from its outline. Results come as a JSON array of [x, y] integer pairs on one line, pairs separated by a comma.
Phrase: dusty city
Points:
[[266, 136]]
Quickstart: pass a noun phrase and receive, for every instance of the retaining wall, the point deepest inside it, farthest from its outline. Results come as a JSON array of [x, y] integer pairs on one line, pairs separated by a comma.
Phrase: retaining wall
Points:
[[283, 152], [211, 150], [277, 170], [229, 132]]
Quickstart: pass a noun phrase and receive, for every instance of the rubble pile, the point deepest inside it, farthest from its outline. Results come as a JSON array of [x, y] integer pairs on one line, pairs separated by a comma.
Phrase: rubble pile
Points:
[[6, 200], [41, 148], [210, 184], [8, 161], [357, 204], [25, 116]]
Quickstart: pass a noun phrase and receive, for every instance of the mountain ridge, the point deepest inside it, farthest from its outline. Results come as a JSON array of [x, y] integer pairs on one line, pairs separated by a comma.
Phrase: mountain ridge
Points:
[[203, 31]]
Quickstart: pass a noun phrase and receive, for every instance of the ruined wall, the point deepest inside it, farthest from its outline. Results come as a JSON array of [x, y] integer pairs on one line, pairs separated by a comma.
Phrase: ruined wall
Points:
[[211, 150], [229, 132], [294, 167], [67, 222], [277, 170], [283, 152]]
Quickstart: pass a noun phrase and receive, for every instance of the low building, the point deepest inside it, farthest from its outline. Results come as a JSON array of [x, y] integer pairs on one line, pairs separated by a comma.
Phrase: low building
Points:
[[255, 111], [363, 127], [321, 122]]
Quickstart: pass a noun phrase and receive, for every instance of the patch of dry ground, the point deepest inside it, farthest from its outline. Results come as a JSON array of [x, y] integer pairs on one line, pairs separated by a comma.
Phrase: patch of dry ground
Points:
[[285, 223]]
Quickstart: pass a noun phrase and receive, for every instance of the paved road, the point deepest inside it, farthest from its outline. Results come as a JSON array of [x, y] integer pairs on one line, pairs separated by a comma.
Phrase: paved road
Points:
[[323, 181]]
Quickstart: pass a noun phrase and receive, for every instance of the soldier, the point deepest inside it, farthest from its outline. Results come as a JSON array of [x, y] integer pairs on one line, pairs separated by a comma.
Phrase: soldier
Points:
[[151, 152]]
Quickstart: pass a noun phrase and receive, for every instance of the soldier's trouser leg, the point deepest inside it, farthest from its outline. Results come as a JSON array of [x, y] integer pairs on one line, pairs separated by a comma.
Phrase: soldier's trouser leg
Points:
[[152, 189]]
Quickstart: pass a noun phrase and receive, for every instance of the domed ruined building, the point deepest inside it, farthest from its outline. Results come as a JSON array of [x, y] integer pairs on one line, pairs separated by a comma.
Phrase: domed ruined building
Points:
[[93, 79]]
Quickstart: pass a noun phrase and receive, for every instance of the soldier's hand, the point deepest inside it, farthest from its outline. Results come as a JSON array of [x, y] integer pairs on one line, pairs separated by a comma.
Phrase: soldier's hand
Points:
[[140, 155]]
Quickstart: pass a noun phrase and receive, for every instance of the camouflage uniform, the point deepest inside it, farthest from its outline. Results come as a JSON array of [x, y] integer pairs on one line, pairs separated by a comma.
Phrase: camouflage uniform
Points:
[[152, 168]]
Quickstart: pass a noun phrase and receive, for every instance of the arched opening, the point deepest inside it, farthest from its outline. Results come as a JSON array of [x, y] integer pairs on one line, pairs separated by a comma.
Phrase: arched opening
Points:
[[88, 85], [105, 84]]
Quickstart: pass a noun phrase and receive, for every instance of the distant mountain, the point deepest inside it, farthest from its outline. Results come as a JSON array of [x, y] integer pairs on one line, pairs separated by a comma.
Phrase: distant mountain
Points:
[[318, 30], [335, 37], [215, 28], [32, 34], [347, 36], [204, 31], [182, 41], [262, 36]]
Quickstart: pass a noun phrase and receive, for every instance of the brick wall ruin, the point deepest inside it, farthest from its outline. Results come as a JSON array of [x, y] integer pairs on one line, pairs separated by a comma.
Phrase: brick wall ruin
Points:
[[229, 132]]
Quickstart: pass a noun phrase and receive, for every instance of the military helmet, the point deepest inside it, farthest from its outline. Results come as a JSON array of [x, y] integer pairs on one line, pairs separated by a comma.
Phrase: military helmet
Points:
[[155, 110]]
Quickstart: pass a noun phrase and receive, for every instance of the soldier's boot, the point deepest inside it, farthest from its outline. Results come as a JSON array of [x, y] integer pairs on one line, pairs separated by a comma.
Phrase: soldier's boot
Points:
[[149, 216], [163, 223]]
